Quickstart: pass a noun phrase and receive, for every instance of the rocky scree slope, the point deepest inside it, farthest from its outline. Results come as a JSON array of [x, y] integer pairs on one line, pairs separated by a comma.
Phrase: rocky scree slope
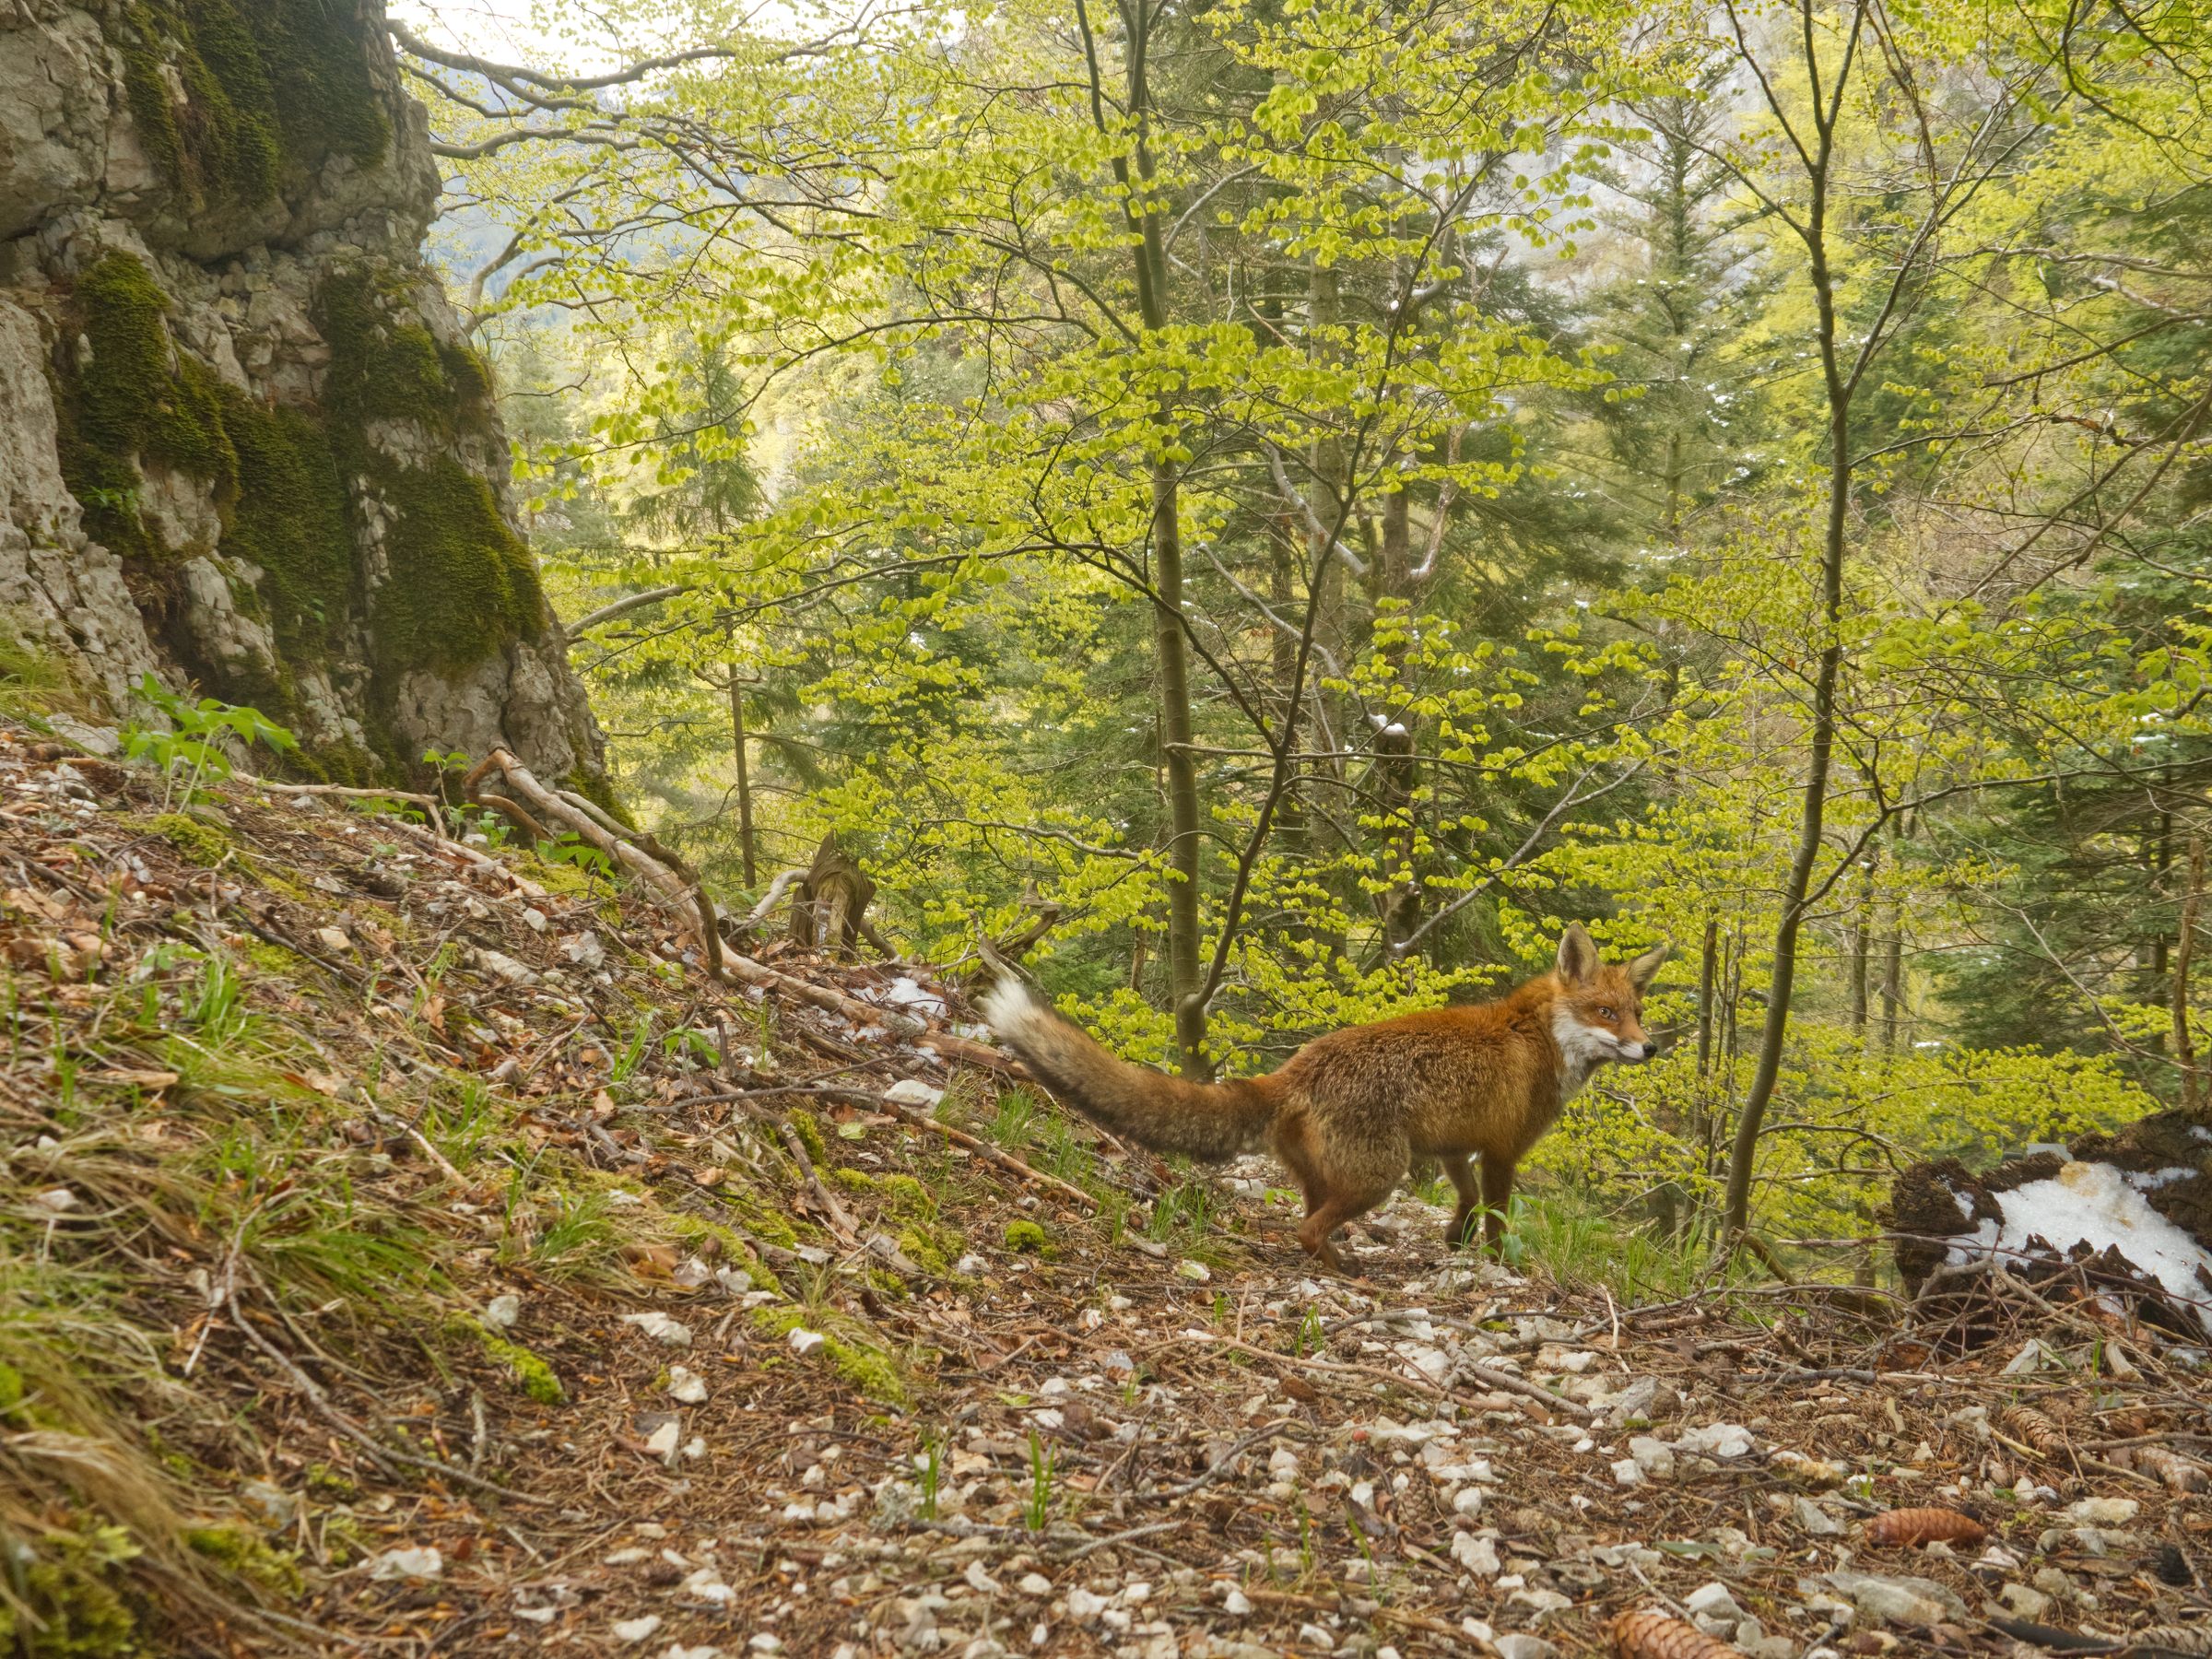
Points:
[[242, 440]]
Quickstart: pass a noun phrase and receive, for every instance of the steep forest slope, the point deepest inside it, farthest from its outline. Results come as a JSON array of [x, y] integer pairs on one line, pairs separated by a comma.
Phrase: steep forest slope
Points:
[[242, 440], [411, 1249]]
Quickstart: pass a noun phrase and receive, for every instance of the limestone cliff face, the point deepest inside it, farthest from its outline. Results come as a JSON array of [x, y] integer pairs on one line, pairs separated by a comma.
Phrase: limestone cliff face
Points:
[[243, 441]]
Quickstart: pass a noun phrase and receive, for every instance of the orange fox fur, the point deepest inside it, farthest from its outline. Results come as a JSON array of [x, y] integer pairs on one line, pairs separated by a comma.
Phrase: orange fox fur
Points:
[[1349, 1111]]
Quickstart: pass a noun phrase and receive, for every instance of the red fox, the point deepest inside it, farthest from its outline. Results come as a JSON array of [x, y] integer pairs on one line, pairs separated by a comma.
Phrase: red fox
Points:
[[1350, 1111]]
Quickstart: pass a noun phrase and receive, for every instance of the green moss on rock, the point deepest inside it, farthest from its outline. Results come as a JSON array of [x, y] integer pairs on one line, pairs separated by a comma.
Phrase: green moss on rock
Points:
[[128, 393], [291, 522], [595, 788], [271, 88], [462, 583]]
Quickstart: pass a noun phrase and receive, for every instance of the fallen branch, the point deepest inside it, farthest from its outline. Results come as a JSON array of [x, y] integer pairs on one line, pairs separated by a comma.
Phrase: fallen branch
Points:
[[768, 901], [619, 849], [348, 793], [839, 1221], [513, 812], [821, 997]]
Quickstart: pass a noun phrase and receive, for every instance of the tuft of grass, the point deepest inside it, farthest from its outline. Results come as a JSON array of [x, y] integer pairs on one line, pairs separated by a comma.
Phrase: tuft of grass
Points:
[[1577, 1240], [1182, 1217], [34, 681], [1011, 1125], [1038, 1510]]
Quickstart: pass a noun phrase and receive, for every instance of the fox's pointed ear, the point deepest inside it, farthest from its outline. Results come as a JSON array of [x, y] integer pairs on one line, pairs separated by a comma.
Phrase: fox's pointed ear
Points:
[[1645, 968], [1578, 957]]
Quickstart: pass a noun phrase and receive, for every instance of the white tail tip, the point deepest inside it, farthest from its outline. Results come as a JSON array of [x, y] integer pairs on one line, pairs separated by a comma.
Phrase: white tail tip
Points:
[[1008, 1007]]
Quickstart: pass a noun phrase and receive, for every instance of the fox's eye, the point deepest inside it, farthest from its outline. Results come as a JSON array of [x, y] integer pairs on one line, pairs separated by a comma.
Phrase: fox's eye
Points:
[[1604, 1013]]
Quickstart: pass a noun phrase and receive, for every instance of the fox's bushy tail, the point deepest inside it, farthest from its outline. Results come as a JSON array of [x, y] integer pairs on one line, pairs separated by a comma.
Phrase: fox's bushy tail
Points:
[[1211, 1121]]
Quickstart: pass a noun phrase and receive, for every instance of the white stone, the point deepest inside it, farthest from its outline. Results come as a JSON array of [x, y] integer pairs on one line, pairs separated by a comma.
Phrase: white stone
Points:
[[421, 1561], [1478, 1555], [501, 1312], [636, 1629], [1917, 1602], [1715, 1440], [1816, 1522], [2103, 1512], [805, 1342], [687, 1385]]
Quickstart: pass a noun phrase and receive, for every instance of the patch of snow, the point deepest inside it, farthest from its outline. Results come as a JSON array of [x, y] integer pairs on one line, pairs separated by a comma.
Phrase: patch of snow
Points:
[[2150, 1181], [908, 992], [2093, 1203]]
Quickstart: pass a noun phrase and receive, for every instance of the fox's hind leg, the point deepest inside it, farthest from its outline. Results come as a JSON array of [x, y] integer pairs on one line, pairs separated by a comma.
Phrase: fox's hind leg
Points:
[[1461, 1169], [1340, 1186]]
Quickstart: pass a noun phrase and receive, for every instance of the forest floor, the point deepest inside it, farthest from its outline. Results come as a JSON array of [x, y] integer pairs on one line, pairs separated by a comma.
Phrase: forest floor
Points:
[[411, 1251]]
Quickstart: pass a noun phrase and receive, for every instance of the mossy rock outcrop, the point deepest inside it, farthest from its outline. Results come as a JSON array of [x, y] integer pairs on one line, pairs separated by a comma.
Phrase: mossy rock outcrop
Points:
[[244, 444]]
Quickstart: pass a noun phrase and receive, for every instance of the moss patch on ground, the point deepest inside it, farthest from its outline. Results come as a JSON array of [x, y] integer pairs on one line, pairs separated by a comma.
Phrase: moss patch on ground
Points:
[[202, 843], [531, 1371], [246, 1555], [868, 1371]]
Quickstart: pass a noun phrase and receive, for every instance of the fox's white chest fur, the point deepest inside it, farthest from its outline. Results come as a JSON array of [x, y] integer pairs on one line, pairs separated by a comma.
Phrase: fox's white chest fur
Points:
[[1583, 1049]]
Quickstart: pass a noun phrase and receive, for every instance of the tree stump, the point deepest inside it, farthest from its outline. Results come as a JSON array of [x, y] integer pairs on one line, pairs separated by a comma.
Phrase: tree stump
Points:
[[828, 911]]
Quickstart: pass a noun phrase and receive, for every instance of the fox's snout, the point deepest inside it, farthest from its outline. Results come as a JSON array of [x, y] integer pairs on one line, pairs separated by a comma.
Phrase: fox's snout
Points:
[[1636, 1053]]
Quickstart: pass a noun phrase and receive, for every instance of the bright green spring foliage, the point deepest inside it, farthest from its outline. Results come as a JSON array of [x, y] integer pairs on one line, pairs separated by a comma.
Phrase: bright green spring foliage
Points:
[[1567, 443]]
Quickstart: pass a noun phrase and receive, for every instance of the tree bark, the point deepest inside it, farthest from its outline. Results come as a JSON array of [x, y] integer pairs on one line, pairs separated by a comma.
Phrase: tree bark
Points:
[[1821, 736], [2184, 1041], [1186, 980], [747, 853]]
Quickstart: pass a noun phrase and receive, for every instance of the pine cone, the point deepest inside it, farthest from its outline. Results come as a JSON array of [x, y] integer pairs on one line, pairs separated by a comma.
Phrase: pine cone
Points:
[[2032, 1426], [1910, 1528], [2179, 1473], [2169, 1642], [1656, 1636]]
